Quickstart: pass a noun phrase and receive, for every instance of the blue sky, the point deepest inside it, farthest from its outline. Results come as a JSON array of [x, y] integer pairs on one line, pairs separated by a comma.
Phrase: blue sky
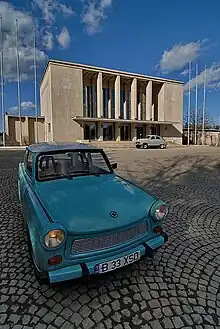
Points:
[[155, 38]]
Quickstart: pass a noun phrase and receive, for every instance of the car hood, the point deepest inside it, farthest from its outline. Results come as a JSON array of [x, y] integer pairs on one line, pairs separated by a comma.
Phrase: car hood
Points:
[[84, 204]]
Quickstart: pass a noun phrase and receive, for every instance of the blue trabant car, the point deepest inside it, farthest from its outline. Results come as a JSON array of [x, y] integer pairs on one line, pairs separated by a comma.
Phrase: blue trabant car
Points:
[[81, 217]]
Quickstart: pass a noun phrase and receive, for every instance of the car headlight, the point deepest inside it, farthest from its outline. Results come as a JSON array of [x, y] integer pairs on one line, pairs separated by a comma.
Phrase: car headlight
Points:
[[54, 238], [161, 212]]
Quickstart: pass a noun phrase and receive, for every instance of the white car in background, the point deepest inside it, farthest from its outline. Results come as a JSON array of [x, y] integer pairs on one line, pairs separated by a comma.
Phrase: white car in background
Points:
[[151, 141]]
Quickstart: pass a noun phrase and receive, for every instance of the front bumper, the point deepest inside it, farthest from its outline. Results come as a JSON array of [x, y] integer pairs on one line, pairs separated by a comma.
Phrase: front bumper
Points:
[[87, 269]]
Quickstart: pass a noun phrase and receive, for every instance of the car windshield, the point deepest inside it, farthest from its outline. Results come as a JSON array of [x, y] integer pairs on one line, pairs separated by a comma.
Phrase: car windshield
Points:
[[73, 163]]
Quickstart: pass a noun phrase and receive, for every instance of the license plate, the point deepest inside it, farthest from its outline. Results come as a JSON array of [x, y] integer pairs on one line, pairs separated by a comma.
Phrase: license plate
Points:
[[117, 263]]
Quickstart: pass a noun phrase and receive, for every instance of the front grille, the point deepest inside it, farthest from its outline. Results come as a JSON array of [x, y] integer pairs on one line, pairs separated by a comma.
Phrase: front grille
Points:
[[108, 240]]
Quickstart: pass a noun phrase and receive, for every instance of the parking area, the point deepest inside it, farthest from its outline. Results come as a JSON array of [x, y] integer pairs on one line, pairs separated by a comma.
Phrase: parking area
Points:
[[178, 288]]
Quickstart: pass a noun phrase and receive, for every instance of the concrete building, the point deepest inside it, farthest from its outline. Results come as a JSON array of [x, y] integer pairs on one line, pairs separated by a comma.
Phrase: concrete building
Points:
[[24, 131], [86, 103]]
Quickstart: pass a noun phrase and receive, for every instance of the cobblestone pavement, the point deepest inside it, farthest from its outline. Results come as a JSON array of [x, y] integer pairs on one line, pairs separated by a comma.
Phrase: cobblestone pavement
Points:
[[179, 288]]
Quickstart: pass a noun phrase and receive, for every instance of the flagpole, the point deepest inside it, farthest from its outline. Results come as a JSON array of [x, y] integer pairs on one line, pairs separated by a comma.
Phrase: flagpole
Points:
[[2, 87], [189, 105], [35, 83], [18, 83], [203, 110], [196, 109]]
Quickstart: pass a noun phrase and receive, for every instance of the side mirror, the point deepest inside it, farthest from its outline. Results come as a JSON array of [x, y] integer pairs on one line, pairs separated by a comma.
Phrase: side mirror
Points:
[[114, 165]]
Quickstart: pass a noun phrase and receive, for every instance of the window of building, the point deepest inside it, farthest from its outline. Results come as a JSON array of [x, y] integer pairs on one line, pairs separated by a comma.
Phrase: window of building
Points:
[[84, 102], [128, 105], [113, 104], [89, 101], [49, 127], [90, 131], [105, 102], [122, 100]]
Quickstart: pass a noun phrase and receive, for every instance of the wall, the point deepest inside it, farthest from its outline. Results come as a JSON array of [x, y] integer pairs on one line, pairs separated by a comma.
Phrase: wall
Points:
[[173, 102], [28, 126], [172, 133], [46, 104], [67, 101]]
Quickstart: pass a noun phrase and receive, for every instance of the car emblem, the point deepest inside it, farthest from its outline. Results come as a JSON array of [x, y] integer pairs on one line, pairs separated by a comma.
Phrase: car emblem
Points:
[[113, 214]]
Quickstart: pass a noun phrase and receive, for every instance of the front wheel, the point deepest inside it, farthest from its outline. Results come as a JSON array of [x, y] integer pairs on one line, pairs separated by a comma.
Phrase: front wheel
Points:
[[162, 146], [145, 146]]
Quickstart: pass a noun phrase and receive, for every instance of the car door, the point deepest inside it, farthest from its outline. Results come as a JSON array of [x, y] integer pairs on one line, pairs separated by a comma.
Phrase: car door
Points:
[[158, 141], [152, 141], [25, 183]]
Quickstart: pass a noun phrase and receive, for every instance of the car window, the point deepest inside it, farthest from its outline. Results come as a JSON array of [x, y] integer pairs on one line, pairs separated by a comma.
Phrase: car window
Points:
[[73, 163], [157, 137], [152, 137], [29, 162], [147, 137]]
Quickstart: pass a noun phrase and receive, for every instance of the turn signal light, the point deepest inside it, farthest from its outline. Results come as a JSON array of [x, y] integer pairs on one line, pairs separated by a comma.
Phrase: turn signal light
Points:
[[55, 260], [157, 229]]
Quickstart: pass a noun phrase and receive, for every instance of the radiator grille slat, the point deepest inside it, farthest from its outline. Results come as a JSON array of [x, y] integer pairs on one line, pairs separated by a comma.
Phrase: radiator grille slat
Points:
[[108, 240]]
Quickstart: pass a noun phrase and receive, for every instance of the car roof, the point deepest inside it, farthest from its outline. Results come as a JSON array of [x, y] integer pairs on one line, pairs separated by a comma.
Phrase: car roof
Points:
[[59, 146]]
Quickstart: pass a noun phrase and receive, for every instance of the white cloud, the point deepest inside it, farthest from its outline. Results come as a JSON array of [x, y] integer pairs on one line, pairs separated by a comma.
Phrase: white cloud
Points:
[[177, 57], [48, 41], [24, 106], [185, 72], [212, 78], [26, 44], [50, 8], [94, 14], [63, 38]]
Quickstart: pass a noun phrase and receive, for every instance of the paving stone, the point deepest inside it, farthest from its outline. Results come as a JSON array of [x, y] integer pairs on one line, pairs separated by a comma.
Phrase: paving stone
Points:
[[49, 317], [154, 303], [167, 323], [59, 321], [76, 319], [87, 324], [156, 324], [85, 311], [147, 315], [97, 316]]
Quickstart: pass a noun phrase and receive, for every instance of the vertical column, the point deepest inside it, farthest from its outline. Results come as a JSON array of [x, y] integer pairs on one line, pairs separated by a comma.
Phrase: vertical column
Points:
[[133, 132], [134, 99], [110, 100], [149, 111], [140, 103], [125, 115], [117, 97], [99, 96], [94, 98], [117, 132]]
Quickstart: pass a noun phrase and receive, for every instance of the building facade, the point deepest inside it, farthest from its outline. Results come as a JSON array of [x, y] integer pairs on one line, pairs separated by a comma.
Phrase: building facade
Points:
[[24, 130], [86, 103]]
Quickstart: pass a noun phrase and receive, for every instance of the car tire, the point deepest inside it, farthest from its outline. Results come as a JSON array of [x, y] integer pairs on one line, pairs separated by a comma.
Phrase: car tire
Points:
[[162, 146], [145, 146], [41, 277]]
